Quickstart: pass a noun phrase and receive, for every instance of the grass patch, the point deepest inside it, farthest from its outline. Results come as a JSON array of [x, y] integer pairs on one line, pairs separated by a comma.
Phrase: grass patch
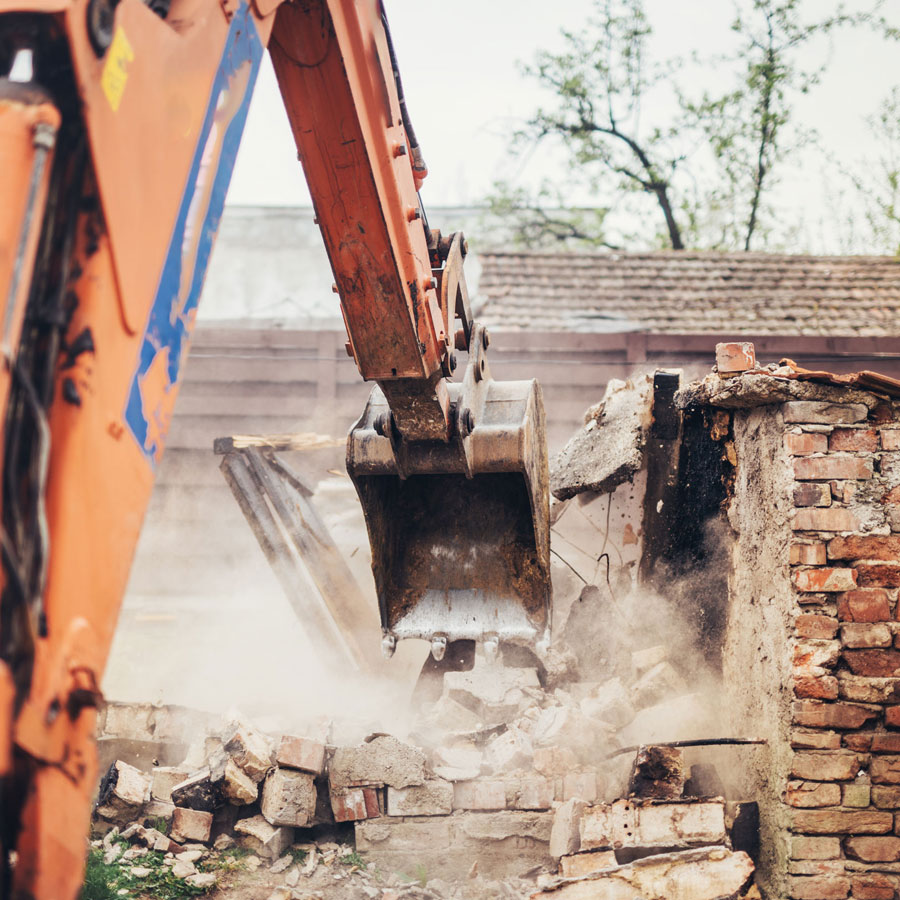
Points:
[[97, 878], [103, 882], [353, 859], [298, 855]]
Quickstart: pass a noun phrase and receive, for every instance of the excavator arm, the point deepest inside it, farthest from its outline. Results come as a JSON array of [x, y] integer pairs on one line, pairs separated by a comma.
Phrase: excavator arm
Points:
[[119, 125]]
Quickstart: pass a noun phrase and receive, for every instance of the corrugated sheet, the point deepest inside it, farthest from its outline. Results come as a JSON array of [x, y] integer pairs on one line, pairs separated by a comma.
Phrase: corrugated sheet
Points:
[[692, 293]]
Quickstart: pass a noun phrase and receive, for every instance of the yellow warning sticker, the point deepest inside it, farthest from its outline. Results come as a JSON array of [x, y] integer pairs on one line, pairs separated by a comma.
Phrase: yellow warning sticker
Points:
[[115, 69]]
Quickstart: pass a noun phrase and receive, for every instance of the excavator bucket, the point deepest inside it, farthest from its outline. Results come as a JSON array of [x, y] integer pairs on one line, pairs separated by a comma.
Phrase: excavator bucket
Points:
[[459, 530]]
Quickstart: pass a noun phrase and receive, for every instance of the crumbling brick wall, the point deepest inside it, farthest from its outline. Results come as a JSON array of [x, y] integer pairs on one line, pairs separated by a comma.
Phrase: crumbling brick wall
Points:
[[812, 655]]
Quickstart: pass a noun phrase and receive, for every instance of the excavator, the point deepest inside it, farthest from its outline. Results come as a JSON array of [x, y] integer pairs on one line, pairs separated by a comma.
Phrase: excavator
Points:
[[119, 125]]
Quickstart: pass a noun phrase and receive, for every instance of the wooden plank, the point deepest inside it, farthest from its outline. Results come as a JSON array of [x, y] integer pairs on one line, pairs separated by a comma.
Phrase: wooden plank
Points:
[[295, 441]]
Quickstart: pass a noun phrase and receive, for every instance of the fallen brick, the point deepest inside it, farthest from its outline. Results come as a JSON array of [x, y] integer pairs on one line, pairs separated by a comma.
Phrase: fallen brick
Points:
[[354, 804], [250, 749], [164, 778], [301, 753], [238, 787], [263, 838], [820, 412], [123, 791], [191, 825], [824, 578], [864, 605], [288, 798]]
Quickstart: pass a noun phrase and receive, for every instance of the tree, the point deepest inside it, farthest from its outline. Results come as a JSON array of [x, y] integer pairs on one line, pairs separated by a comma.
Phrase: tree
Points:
[[709, 171]]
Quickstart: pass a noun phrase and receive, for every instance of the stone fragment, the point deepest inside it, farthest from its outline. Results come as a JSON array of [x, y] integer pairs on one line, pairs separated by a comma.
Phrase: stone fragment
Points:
[[658, 773], [709, 873], [288, 798], [202, 880], [508, 751], [825, 519], [462, 762], [301, 753], [383, 760], [250, 749], [565, 836], [183, 868], [433, 798], [586, 863], [123, 791], [263, 838], [735, 357], [238, 787], [823, 413], [627, 823], [608, 450], [191, 825]]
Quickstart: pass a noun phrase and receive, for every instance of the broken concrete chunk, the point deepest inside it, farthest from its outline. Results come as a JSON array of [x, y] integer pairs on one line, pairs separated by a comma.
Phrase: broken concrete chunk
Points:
[[301, 753], [608, 450], [433, 798], [123, 791], [586, 863], [164, 778], [250, 749], [238, 787], [191, 825], [261, 837], [199, 791], [289, 798], [508, 751], [490, 689], [644, 824], [565, 835], [706, 874], [381, 761], [659, 772], [459, 763]]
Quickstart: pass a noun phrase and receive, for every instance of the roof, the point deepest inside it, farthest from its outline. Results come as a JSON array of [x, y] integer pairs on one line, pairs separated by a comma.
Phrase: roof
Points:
[[678, 292]]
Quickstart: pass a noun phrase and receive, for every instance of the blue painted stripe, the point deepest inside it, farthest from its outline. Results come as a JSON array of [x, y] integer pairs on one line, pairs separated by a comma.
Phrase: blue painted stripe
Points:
[[171, 317]]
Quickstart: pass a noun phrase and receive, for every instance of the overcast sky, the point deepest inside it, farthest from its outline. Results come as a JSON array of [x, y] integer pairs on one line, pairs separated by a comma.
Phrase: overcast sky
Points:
[[460, 64]]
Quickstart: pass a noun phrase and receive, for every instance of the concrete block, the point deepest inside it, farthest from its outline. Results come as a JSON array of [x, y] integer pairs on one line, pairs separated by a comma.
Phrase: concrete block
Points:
[[123, 791], [163, 779], [263, 838], [640, 824], [529, 792], [483, 794], [191, 825], [288, 798], [382, 761], [301, 753], [433, 798]]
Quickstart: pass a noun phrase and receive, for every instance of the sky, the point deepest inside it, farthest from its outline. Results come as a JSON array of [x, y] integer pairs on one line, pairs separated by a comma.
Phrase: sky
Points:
[[461, 69]]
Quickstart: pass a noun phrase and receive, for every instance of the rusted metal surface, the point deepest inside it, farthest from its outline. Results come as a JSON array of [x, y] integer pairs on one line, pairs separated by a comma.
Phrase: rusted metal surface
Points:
[[864, 380], [460, 530]]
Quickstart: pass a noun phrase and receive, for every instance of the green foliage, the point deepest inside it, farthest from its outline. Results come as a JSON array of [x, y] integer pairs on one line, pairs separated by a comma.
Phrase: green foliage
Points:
[[97, 878], [298, 855], [352, 859], [708, 172], [103, 882]]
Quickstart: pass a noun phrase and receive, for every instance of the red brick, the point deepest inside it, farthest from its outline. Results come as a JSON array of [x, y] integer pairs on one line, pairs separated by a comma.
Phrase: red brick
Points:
[[878, 575], [890, 438], [872, 887], [892, 496], [810, 687], [808, 554], [812, 493], [818, 887], [884, 547], [812, 794], [805, 443], [864, 605], [805, 847], [873, 663], [814, 625], [824, 578], [812, 655], [840, 766], [815, 740], [829, 518], [885, 742], [858, 741], [885, 770], [892, 716], [873, 849], [735, 356], [885, 797], [354, 804], [866, 635], [301, 753], [191, 825], [842, 821], [865, 439], [813, 714], [824, 468]]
